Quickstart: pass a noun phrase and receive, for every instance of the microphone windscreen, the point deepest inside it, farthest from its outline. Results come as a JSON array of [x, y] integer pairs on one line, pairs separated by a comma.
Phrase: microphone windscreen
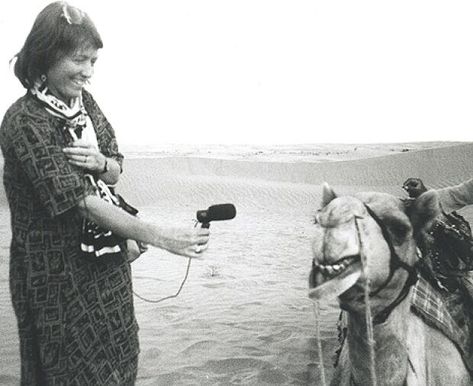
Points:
[[221, 212]]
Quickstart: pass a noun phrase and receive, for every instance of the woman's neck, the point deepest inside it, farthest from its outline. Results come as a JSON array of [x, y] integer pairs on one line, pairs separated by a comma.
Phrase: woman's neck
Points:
[[68, 101]]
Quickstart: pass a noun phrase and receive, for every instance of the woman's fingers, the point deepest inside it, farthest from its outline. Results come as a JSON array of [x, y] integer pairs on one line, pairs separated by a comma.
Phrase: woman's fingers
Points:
[[80, 147], [87, 158], [187, 242], [83, 161], [199, 245], [82, 143], [202, 234], [79, 158], [197, 250]]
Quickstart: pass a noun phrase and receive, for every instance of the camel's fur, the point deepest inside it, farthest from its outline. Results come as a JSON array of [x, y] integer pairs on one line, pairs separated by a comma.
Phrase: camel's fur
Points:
[[407, 351]]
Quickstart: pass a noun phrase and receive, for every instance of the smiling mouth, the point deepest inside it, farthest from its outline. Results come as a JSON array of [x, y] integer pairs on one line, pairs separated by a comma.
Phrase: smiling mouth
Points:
[[329, 280], [79, 83]]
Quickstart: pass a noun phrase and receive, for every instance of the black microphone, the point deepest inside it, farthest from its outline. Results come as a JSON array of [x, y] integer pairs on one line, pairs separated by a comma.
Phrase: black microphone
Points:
[[216, 213]]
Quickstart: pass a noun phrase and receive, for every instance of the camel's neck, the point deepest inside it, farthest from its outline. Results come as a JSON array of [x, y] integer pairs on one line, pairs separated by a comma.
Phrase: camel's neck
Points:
[[390, 351]]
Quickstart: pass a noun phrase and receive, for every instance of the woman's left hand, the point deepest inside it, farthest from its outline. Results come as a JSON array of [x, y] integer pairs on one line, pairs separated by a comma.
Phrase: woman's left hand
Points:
[[86, 156]]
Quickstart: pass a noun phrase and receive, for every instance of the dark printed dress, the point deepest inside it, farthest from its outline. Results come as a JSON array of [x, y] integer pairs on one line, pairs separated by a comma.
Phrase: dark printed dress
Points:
[[75, 317]]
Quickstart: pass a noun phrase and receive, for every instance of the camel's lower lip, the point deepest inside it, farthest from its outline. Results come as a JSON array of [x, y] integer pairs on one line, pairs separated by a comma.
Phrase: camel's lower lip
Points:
[[332, 280]]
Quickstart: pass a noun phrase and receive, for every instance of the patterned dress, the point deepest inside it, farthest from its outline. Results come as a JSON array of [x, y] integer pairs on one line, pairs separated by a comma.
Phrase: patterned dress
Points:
[[75, 317]]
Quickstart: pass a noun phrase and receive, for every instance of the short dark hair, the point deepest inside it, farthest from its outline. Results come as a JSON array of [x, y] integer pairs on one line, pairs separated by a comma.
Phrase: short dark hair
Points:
[[58, 30]]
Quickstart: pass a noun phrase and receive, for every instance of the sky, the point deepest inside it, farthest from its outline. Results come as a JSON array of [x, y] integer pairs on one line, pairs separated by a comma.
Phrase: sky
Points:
[[272, 71]]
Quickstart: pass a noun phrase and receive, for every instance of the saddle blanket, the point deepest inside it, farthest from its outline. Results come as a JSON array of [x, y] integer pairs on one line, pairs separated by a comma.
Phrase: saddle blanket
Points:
[[447, 312]]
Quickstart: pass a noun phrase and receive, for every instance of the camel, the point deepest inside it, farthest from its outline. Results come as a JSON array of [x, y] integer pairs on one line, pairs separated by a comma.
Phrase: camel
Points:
[[365, 244]]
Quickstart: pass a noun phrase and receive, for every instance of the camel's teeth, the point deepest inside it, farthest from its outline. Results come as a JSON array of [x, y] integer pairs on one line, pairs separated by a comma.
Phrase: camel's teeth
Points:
[[348, 261], [329, 269]]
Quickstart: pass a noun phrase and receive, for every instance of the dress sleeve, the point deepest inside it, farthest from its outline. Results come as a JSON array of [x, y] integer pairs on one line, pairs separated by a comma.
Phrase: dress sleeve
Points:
[[456, 197], [34, 141]]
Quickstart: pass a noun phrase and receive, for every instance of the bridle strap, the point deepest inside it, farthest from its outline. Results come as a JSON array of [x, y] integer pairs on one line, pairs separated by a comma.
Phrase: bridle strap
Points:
[[395, 263], [383, 315]]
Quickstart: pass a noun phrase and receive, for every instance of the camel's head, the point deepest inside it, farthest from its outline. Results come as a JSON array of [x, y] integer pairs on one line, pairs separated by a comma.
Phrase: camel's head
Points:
[[360, 237]]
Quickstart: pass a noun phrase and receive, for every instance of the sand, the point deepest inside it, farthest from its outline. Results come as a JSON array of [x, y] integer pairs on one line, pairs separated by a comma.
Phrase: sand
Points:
[[243, 316]]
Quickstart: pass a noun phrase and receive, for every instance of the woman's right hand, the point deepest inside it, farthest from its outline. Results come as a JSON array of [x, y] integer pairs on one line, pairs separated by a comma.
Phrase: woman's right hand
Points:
[[189, 242]]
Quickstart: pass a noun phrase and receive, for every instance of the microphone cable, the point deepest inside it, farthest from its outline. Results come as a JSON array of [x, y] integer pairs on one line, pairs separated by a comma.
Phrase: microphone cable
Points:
[[147, 300], [213, 213]]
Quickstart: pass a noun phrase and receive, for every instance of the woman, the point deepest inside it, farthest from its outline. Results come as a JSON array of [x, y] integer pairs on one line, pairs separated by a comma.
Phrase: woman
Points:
[[75, 315]]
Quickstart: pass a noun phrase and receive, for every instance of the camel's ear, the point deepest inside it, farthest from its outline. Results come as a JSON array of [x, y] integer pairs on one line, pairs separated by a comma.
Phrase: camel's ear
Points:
[[327, 194]]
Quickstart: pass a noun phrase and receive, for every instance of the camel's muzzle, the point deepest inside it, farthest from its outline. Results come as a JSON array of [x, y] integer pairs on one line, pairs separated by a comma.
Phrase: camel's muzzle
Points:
[[331, 280]]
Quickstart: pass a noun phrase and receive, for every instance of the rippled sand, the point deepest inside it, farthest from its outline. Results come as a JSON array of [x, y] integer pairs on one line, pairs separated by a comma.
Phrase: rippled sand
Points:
[[243, 316]]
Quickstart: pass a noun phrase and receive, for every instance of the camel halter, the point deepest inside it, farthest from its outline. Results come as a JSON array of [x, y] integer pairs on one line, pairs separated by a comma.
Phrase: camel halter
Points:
[[368, 317], [395, 263]]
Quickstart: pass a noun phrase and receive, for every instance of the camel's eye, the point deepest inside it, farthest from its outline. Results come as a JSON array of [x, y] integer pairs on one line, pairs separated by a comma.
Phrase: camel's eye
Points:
[[398, 230]]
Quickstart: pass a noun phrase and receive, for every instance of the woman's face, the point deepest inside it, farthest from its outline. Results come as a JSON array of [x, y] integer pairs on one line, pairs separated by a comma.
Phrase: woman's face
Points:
[[67, 77]]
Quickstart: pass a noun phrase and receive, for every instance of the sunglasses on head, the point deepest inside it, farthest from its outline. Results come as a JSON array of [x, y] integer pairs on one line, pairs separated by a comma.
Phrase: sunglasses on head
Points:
[[72, 15]]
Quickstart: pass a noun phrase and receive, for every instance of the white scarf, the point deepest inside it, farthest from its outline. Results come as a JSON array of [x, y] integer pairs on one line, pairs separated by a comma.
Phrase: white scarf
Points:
[[75, 114]]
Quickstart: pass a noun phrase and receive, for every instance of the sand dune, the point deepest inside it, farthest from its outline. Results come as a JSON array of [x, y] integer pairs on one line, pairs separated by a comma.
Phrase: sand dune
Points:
[[146, 178]]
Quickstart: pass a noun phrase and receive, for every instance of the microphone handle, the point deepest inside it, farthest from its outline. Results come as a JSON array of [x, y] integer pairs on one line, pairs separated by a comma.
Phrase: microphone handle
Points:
[[205, 225]]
